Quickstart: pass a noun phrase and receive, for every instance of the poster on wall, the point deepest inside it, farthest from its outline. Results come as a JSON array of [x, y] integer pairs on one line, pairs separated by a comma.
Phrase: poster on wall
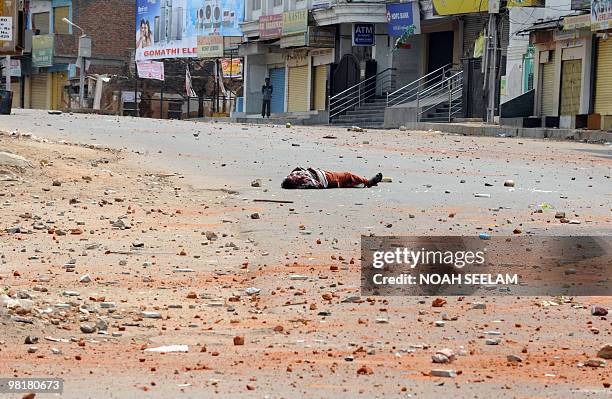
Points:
[[6, 28], [170, 28], [403, 19]]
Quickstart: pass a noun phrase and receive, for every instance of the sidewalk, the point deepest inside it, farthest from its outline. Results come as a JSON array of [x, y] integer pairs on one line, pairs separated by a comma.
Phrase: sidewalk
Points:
[[483, 129]]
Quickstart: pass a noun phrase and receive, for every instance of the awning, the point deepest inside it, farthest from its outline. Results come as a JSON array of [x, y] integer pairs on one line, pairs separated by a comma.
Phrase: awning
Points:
[[555, 24]]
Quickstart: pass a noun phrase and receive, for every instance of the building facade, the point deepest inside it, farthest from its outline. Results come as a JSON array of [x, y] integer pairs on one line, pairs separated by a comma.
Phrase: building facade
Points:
[[49, 63]]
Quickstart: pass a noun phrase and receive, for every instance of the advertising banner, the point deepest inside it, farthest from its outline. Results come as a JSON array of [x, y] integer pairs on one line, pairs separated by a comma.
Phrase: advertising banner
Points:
[[363, 34], [210, 46], [403, 18], [295, 22], [271, 26], [170, 28], [150, 70], [454, 7], [42, 50], [232, 68], [601, 14]]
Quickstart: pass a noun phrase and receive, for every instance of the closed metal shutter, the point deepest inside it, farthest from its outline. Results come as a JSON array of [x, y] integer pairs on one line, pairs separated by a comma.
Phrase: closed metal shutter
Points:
[[603, 78], [473, 26], [297, 95], [571, 71], [38, 91], [277, 80], [320, 84], [547, 97]]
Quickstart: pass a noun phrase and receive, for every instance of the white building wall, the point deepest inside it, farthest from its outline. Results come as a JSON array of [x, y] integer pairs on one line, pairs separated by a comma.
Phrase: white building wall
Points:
[[521, 18]]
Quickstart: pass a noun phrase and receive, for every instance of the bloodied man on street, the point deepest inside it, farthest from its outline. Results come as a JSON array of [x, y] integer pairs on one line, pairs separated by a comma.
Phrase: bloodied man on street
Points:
[[304, 178]]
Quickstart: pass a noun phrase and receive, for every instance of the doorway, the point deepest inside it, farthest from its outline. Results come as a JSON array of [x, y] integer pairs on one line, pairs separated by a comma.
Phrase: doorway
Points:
[[440, 50]]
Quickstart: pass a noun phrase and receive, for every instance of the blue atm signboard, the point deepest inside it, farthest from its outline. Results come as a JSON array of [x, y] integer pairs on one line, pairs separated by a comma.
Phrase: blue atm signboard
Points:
[[363, 34]]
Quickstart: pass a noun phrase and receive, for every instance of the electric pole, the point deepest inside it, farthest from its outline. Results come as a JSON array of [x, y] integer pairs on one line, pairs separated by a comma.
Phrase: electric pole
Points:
[[492, 47]]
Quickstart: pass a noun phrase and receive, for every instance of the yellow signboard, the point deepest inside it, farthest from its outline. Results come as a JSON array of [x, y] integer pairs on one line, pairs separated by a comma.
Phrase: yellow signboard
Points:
[[453, 7]]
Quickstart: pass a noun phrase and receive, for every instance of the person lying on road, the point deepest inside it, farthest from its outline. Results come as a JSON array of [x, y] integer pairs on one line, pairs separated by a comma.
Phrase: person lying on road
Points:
[[301, 178]]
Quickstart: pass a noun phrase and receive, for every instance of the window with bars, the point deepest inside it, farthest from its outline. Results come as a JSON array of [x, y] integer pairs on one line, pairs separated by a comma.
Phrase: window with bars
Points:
[[256, 5], [59, 25], [277, 3]]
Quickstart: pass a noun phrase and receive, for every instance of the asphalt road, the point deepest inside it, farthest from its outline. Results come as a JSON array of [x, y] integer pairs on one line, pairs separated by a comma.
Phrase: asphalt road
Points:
[[433, 174]]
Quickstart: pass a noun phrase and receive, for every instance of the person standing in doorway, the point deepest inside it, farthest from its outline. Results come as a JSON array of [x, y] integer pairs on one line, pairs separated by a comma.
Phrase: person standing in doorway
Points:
[[266, 91]]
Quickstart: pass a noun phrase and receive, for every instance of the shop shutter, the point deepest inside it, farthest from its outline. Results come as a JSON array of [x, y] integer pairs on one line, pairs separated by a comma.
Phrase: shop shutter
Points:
[[473, 25], [603, 78], [297, 96], [571, 71], [277, 80], [547, 98], [59, 80], [38, 91], [320, 84]]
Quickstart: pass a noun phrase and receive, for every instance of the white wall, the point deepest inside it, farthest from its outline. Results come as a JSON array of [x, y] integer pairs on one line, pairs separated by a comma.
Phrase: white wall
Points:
[[521, 18]]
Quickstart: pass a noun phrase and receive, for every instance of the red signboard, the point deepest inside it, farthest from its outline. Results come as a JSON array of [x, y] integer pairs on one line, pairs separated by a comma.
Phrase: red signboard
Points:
[[271, 26]]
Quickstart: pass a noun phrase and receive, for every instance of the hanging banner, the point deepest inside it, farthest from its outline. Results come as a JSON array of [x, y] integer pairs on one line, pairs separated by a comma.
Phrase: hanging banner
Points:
[[363, 34], [271, 26], [170, 28], [210, 46], [42, 50], [295, 22], [150, 70], [454, 7], [232, 68], [403, 18], [601, 14]]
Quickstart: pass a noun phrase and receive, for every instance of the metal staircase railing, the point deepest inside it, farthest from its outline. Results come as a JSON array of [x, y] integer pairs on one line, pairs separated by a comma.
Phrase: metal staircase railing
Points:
[[409, 92], [450, 90], [359, 93]]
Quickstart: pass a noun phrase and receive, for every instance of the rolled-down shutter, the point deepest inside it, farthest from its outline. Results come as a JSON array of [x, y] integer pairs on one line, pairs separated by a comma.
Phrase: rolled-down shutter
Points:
[[297, 96], [277, 80], [320, 84], [547, 99], [38, 91], [603, 78]]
